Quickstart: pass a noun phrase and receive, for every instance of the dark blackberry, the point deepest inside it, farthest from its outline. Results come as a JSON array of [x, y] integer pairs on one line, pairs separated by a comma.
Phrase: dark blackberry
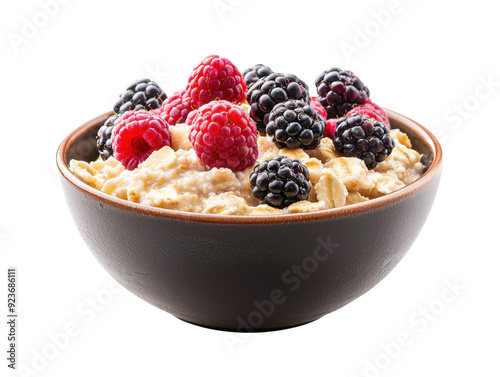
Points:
[[104, 137], [295, 124], [270, 90], [253, 74], [141, 95], [280, 182], [339, 91], [363, 137]]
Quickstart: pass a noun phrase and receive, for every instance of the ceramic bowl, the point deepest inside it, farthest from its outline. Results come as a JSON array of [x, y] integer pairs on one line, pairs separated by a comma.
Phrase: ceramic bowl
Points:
[[248, 273]]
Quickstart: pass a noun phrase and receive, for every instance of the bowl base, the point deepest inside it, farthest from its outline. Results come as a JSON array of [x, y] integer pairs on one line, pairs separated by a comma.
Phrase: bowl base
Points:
[[230, 329]]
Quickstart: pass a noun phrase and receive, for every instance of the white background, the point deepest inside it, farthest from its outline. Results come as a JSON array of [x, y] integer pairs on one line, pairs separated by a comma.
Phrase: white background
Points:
[[436, 62]]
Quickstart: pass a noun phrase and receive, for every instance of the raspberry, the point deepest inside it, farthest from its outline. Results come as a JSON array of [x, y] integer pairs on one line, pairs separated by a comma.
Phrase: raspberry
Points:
[[295, 124], [363, 137], [104, 145], [191, 117], [330, 126], [216, 78], [253, 74], [371, 110], [339, 91], [317, 106], [141, 95], [223, 136], [176, 108], [271, 90], [280, 182], [136, 135]]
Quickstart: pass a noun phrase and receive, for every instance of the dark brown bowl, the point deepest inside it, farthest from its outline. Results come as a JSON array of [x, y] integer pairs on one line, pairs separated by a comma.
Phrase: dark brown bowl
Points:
[[244, 273]]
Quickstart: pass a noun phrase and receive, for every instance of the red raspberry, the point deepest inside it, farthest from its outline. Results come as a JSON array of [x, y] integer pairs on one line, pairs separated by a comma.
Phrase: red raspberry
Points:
[[136, 135], [371, 110], [216, 79], [330, 126], [318, 107], [223, 136], [191, 117], [177, 107]]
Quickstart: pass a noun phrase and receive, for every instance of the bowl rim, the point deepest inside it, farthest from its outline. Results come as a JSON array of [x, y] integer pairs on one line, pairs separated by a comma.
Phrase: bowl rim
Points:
[[426, 179]]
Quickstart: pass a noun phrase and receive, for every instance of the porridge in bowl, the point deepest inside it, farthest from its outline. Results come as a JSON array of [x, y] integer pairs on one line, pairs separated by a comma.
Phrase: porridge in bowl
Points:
[[267, 150], [174, 178]]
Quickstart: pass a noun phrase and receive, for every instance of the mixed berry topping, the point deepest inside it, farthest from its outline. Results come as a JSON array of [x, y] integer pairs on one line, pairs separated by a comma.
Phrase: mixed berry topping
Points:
[[363, 137], [280, 182], [295, 124], [223, 136], [136, 135]]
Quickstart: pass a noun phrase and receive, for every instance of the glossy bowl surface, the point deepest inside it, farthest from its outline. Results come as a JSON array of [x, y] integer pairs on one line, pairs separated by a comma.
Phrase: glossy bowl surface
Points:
[[249, 273]]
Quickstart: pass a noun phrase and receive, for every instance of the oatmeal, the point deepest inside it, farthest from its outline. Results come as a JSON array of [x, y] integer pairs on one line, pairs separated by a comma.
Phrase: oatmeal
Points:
[[173, 177], [253, 144]]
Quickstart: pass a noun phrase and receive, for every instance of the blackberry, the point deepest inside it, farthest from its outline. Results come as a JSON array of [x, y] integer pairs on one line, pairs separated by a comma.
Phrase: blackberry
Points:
[[339, 91], [280, 181], [295, 124], [253, 74], [141, 95], [104, 137], [270, 90], [363, 137]]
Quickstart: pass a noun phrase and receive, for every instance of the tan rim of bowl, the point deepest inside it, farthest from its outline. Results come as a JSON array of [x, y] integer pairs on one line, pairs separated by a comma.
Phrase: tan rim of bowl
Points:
[[430, 175]]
